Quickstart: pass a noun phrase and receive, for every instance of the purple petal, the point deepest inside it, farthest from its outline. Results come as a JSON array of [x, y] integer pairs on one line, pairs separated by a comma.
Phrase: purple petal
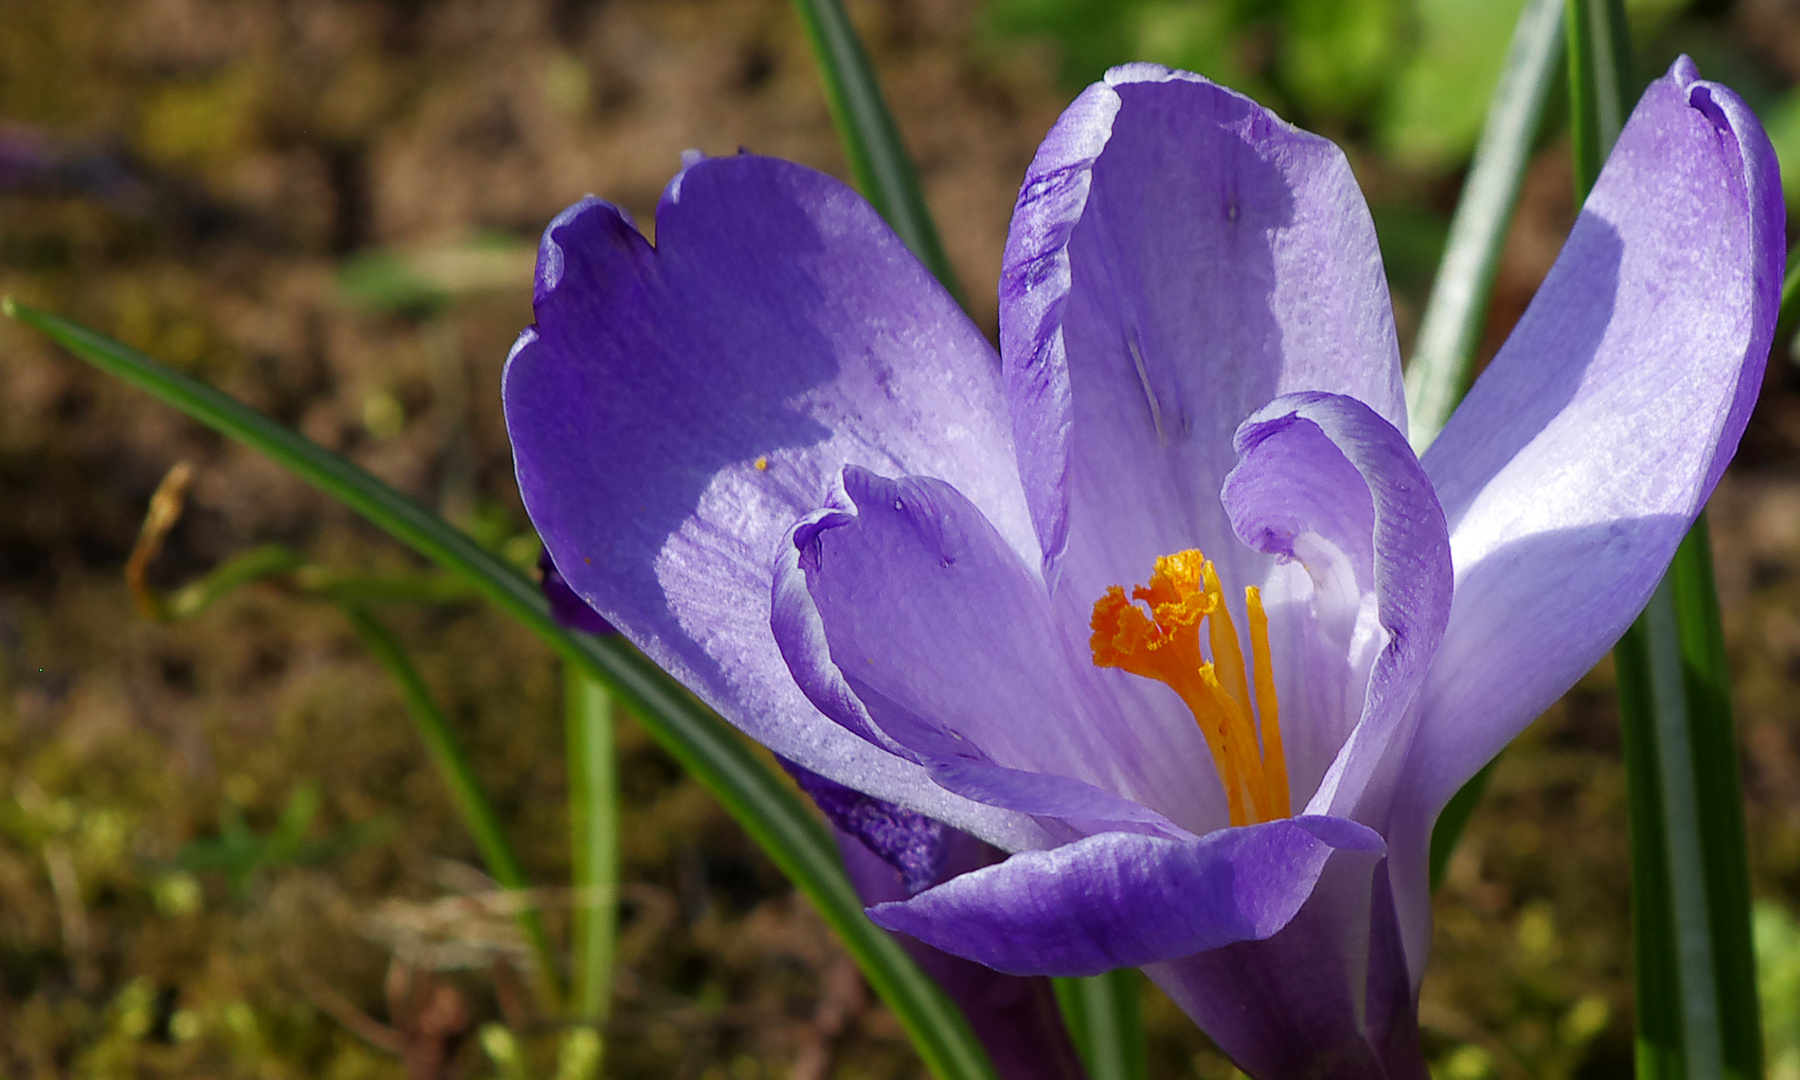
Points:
[[907, 842], [1123, 900], [1584, 452], [1178, 257], [676, 409], [939, 638], [1327, 995], [1325, 480], [1015, 1017], [565, 607]]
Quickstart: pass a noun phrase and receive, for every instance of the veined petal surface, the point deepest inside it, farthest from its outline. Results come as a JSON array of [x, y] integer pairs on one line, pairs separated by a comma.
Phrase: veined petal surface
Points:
[[1123, 899], [943, 636], [1179, 256], [1325, 481], [675, 409]]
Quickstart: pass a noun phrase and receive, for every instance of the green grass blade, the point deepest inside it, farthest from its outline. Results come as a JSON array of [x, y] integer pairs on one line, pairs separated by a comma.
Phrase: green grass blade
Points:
[[871, 140], [1599, 78], [1695, 968], [1789, 317], [1450, 328], [594, 837], [471, 799], [765, 805], [267, 561], [1654, 963], [1453, 819], [192, 599], [1724, 848], [1687, 922], [1104, 1014], [1697, 1007]]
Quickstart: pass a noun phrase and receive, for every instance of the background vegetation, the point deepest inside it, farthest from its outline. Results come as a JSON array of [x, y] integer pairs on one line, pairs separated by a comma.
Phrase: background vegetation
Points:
[[223, 850]]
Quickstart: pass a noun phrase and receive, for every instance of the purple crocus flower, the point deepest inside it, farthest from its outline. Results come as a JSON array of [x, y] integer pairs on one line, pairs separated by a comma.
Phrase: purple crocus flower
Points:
[[1158, 599]]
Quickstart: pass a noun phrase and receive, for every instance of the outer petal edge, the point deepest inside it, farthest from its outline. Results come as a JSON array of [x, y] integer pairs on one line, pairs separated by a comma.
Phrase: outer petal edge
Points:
[[1123, 900]]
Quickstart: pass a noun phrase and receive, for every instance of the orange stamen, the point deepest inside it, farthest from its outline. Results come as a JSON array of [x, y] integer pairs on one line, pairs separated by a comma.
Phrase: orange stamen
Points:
[[1164, 645], [1267, 706], [1227, 657]]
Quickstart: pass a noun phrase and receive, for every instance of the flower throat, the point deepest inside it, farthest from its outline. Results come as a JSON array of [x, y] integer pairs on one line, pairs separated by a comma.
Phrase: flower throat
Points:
[[1165, 645]]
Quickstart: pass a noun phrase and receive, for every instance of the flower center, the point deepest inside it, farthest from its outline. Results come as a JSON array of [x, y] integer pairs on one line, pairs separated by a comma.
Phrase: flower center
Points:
[[1165, 645]]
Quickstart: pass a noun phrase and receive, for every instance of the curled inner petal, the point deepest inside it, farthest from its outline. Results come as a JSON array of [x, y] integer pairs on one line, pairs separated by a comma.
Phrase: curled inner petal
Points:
[[1243, 732]]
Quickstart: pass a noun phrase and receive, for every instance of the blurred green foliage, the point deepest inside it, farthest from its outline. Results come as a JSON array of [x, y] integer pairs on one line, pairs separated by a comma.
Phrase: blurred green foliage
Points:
[[424, 281], [1778, 984], [240, 852], [1437, 100], [1413, 75], [1782, 121]]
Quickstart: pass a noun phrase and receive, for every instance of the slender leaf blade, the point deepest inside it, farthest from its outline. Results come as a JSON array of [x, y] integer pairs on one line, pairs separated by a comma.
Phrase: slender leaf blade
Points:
[[765, 805], [466, 791], [878, 159], [1788, 317], [594, 837], [1104, 1014], [1452, 820], [1599, 77], [1450, 328], [1712, 757], [1689, 978], [1659, 1039], [264, 561]]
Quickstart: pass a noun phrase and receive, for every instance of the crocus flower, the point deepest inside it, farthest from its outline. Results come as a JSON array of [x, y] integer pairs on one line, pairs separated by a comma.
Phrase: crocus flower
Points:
[[1158, 599]]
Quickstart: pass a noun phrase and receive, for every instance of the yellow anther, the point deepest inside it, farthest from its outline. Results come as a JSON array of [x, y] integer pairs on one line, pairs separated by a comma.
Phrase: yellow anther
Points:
[[1164, 645], [1227, 656]]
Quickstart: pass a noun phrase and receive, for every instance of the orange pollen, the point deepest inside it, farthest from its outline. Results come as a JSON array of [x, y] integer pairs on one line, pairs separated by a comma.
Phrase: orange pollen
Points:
[[1242, 731]]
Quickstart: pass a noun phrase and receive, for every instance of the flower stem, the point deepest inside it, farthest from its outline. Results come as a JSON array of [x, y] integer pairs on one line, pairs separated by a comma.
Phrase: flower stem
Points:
[[594, 840], [472, 802]]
